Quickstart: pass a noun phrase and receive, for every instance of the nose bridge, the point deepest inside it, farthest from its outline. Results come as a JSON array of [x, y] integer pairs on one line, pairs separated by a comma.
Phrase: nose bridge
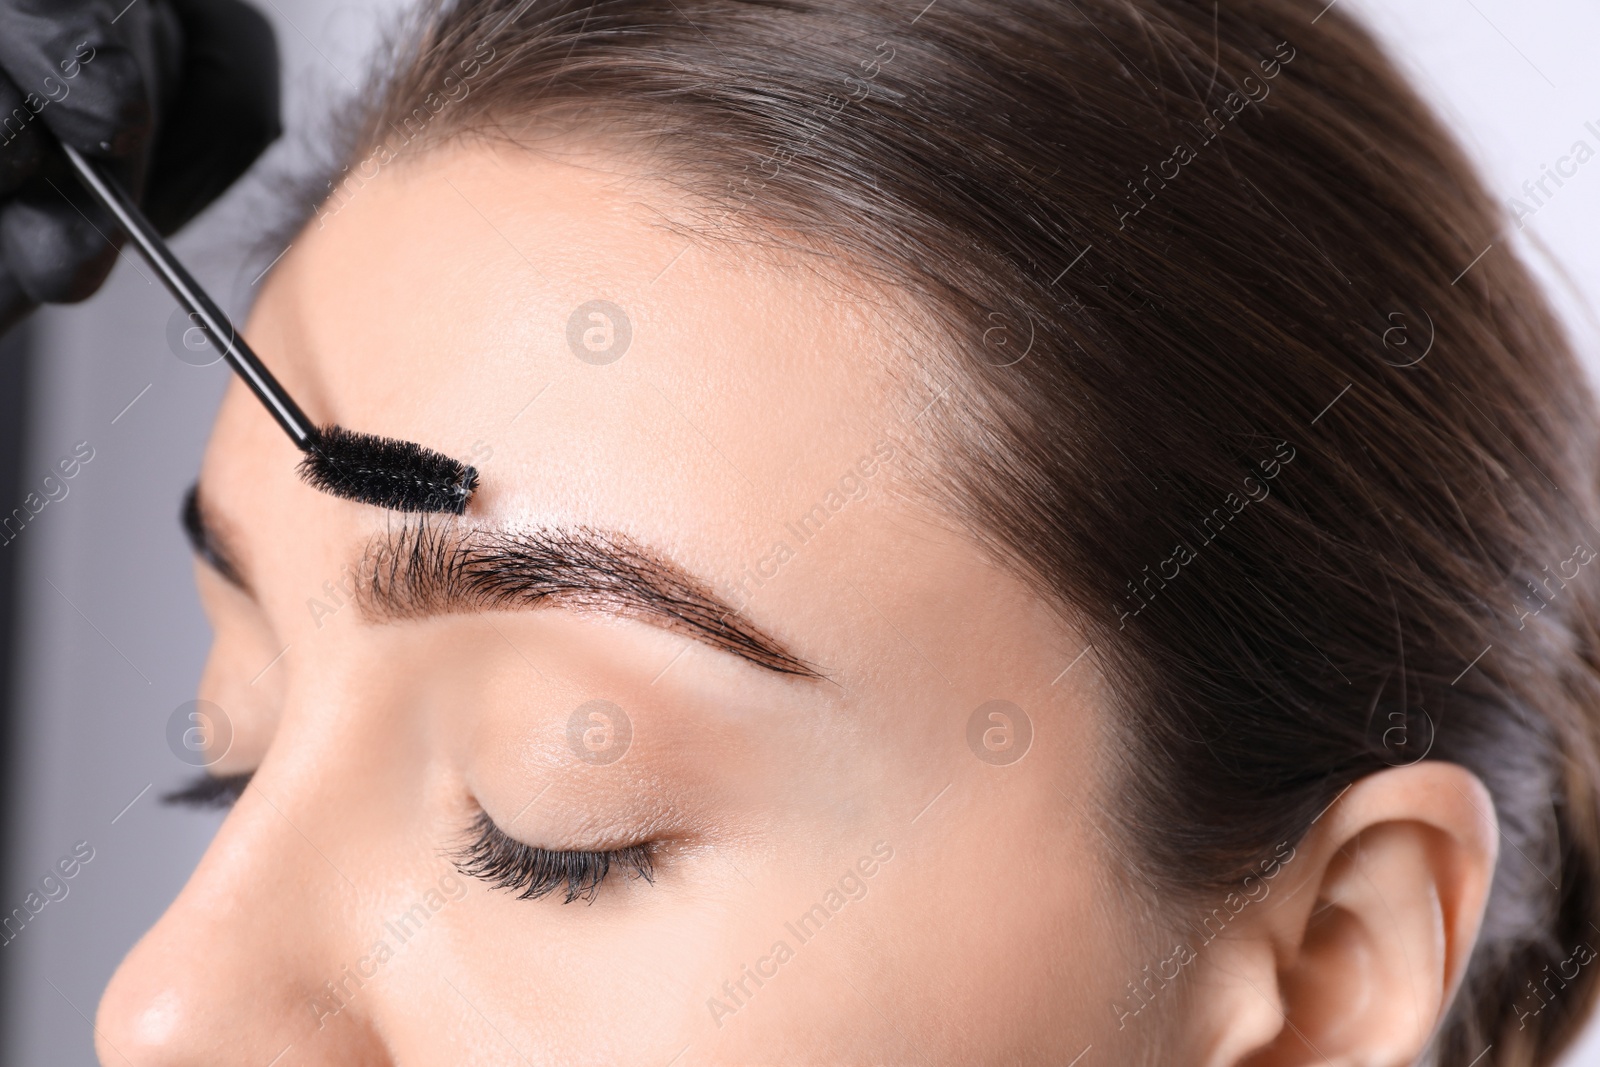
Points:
[[254, 954]]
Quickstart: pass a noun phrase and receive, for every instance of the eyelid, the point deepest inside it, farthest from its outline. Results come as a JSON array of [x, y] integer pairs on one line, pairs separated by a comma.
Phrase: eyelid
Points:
[[491, 855]]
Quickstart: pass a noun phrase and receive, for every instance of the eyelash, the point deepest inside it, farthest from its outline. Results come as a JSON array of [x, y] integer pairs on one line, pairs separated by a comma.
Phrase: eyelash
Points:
[[490, 855], [210, 792], [534, 872]]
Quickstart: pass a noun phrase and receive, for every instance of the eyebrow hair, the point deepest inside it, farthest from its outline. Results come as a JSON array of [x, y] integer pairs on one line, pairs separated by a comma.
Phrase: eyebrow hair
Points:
[[429, 567], [204, 540]]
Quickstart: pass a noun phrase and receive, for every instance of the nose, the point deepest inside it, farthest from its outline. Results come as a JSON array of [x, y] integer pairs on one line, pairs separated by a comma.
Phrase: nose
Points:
[[237, 970]]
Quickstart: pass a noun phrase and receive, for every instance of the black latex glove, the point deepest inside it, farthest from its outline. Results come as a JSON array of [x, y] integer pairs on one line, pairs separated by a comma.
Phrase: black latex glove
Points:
[[179, 97]]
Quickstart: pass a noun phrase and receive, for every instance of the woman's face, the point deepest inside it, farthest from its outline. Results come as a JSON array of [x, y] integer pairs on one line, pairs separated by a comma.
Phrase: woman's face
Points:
[[690, 609]]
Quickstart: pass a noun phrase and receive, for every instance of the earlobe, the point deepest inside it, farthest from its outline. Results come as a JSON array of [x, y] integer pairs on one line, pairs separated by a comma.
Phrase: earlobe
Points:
[[1362, 942]]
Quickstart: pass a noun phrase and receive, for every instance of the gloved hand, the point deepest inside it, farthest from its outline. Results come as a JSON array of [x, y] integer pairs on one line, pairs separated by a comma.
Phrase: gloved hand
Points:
[[178, 97]]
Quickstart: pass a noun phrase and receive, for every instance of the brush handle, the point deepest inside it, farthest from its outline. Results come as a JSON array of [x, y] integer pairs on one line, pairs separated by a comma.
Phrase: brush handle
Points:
[[188, 292]]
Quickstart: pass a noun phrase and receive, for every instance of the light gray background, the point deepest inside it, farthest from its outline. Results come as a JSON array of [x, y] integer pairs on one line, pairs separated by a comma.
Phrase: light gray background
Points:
[[113, 638]]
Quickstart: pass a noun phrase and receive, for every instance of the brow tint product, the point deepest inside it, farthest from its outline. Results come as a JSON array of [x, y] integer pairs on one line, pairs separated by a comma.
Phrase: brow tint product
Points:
[[381, 471]]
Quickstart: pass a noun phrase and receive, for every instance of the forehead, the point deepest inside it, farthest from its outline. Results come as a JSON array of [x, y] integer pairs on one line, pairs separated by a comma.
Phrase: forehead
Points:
[[543, 309]]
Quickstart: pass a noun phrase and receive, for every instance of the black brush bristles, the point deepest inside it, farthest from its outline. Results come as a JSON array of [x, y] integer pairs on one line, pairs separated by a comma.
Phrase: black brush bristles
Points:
[[387, 473]]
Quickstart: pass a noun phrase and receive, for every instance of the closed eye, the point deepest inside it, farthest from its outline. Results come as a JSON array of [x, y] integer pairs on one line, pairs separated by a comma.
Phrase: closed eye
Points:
[[533, 872], [210, 791], [489, 854]]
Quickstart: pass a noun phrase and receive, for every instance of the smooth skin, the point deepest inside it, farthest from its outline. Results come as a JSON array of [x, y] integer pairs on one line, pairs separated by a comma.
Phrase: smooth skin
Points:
[[995, 925]]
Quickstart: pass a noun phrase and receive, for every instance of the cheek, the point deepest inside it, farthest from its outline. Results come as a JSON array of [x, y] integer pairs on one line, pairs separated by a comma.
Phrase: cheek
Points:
[[1022, 904]]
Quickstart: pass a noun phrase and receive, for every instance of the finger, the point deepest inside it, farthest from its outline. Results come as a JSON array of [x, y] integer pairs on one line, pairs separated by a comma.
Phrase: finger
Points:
[[19, 138], [58, 250], [74, 61], [225, 114]]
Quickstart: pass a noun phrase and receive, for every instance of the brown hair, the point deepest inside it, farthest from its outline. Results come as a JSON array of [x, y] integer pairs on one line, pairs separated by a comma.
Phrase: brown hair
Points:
[[1248, 380]]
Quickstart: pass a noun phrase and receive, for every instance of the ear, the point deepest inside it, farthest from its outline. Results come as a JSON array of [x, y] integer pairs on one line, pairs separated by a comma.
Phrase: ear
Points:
[[1353, 956]]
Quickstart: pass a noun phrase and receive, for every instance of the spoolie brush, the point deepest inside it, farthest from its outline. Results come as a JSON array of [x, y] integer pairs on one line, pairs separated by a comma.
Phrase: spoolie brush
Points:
[[392, 474], [382, 471]]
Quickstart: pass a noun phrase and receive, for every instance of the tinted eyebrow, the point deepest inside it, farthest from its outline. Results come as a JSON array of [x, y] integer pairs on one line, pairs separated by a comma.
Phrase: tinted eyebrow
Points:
[[205, 541], [428, 566]]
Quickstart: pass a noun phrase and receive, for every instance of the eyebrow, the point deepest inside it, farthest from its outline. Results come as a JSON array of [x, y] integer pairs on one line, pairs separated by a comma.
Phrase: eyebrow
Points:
[[427, 567], [204, 540]]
